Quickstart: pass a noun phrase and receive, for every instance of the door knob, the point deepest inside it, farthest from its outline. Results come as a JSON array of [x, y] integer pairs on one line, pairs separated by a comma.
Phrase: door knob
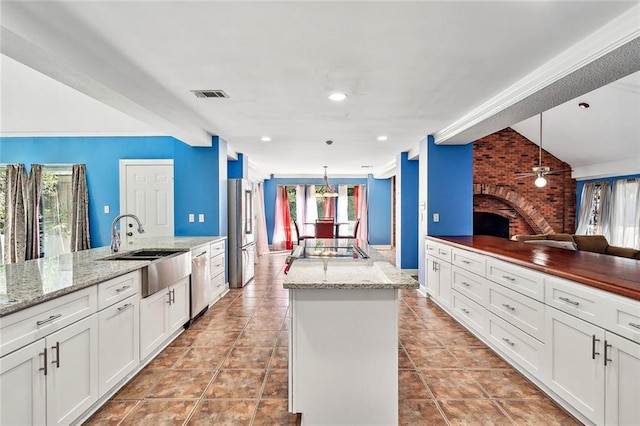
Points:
[[129, 233]]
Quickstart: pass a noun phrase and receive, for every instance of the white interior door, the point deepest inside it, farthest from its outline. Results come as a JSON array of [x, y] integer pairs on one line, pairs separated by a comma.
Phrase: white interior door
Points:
[[146, 190]]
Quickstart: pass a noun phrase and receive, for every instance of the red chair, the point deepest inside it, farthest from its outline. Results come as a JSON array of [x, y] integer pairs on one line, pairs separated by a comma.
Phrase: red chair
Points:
[[300, 237], [324, 229]]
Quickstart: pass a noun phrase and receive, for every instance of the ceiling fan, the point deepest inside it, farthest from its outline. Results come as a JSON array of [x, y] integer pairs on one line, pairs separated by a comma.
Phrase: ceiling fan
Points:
[[540, 171]]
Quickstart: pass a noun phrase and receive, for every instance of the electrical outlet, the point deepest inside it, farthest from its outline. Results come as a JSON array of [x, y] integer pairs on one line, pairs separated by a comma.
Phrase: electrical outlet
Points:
[[192, 217], [201, 217], [436, 217], [106, 209]]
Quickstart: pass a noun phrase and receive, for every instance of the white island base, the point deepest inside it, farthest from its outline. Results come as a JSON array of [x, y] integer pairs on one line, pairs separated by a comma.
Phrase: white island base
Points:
[[343, 356]]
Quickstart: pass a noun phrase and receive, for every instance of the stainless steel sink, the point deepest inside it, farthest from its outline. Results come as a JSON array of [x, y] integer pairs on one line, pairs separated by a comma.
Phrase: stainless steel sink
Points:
[[166, 267]]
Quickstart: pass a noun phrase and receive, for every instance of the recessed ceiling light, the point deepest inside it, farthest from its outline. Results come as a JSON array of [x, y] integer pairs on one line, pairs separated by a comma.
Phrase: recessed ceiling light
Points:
[[366, 167], [265, 139], [337, 96], [382, 138], [583, 105]]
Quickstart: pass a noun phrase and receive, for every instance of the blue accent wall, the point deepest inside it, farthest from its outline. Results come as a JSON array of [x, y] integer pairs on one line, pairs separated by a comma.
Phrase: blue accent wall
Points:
[[196, 174], [379, 209], [272, 183], [237, 168], [409, 199], [450, 188]]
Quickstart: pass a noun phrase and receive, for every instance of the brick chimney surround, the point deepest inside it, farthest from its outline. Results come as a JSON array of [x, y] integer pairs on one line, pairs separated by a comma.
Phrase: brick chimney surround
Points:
[[497, 159]]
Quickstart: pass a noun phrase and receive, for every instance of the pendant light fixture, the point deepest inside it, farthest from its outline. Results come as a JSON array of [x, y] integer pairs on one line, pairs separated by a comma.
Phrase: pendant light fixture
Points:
[[326, 190]]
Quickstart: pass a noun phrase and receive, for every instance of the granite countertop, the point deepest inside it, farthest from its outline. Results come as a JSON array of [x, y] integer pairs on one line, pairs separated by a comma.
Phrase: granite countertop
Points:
[[346, 274], [29, 283]]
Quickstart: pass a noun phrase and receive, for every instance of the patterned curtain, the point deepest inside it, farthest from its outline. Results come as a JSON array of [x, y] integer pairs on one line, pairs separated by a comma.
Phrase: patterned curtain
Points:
[[34, 196], [80, 238], [262, 241], [15, 214], [362, 211], [282, 228]]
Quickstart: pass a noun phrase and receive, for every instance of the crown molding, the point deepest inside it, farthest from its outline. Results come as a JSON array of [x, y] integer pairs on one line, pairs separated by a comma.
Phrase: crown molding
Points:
[[628, 166], [605, 40]]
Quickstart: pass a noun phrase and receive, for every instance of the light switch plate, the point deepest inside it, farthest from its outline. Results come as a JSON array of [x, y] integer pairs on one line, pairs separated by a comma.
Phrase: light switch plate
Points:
[[192, 217], [436, 217], [106, 209], [201, 217]]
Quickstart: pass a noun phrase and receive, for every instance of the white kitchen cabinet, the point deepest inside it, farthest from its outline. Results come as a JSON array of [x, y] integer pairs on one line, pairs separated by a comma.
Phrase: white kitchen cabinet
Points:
[[217, 268], [178, 305], [439, 281], [72, 382], [161, 314], [23, 386], [622, 387], [575, 363], [119, 342]]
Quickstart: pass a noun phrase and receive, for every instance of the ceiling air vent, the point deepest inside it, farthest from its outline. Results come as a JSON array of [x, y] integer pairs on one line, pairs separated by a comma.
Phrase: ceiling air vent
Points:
[[210, 93]]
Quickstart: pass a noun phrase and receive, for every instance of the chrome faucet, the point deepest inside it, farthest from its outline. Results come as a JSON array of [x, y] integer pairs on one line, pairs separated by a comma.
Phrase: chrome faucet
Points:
[[115, 233]]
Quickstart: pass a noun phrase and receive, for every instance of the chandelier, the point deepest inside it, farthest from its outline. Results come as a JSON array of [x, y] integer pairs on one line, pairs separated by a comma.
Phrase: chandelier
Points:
[[326, 190]]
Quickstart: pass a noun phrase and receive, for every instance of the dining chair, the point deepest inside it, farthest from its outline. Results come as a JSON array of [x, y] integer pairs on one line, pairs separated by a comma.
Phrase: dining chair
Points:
[[355, 231], [300, 237], [324, 229]]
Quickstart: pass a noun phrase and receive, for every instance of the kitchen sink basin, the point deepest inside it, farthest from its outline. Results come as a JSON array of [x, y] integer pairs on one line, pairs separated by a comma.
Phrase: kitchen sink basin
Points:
[[143, 254], [166, 267]]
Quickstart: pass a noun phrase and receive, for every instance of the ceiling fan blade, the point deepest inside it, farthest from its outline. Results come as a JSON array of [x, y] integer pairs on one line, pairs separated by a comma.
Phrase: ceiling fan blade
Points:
[[525, 175], [556, 172]]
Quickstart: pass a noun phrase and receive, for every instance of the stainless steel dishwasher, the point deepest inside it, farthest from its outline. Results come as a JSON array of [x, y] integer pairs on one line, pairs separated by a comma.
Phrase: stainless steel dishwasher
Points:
[[199, 284]]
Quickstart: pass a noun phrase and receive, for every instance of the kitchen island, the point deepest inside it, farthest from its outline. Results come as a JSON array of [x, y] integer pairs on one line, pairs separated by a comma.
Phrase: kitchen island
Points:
[[343, 349]]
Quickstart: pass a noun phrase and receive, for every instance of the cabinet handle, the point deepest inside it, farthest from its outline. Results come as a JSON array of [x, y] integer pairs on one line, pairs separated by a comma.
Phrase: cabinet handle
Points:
[[566, 299], [634, 325], [45, 362], [173, 295], [507, 277], [606, 357], [511, 308], [57, 360], [125, 306], [509, 342], [593, 346], [466, 284], [466, 262], [51, 318], [430, 248], [442, 252], [466, 311], [123, 288], [169, 294]]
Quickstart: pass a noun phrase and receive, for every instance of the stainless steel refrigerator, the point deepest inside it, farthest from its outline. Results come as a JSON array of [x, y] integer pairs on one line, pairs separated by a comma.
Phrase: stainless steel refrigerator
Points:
[[242, 243]]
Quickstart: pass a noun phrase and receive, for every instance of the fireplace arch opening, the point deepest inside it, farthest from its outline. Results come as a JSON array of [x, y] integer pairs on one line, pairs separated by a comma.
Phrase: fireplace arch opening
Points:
[[485, 223]]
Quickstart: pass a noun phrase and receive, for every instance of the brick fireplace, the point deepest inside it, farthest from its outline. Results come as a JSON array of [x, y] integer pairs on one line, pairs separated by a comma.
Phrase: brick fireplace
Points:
[[497, 159]]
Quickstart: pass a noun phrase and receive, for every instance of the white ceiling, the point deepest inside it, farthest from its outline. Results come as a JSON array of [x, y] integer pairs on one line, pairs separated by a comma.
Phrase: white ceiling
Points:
[[456, 70]]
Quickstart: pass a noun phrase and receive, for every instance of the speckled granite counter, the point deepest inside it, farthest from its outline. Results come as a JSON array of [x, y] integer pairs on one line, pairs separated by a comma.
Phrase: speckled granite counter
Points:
[[344, 274], [29, 283]]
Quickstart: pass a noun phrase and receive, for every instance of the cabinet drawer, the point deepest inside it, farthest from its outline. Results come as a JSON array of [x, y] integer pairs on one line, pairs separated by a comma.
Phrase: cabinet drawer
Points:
[[521, 311], [117, 289], [217, 265], [522, 280], [578, 300], [523, 349], [469, 261], [438, 250], [216, 248], [469, 312], [31, 324], [471, 285], [623, 317]]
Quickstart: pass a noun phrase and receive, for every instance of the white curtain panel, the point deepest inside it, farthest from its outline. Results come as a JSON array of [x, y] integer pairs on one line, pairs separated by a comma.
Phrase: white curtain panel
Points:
[[586, 205], [311, 211], [262, 240], [279, 241], [301, 209], [625, 213], [604, 214], [343, 210]]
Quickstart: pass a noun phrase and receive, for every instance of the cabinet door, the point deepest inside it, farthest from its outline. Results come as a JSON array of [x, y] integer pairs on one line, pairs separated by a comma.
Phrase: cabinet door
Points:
[[154, 322], [179, 306], [622, 381], [574, 366], [72, 382], [23, 386], [119, 342], [443, 283], [432, 276]]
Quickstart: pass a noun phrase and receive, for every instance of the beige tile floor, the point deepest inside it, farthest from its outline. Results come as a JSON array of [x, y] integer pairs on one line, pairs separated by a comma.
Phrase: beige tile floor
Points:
[[230, 368]]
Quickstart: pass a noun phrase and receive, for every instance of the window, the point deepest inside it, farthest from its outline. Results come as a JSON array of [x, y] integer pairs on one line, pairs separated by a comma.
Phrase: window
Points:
[[3, 181], [625, 213], [55, 210]]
